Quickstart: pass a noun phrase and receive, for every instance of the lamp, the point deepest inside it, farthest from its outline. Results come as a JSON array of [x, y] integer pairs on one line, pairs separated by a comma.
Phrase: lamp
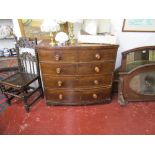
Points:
[[71, 23], [52, 27]]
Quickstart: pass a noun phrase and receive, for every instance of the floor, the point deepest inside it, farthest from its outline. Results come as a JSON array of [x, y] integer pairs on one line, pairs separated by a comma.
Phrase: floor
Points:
[[135, 118]]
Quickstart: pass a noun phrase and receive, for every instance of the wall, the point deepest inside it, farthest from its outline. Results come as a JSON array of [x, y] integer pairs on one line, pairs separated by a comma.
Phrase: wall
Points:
[[6, 43], [16, 28], [128, 40]]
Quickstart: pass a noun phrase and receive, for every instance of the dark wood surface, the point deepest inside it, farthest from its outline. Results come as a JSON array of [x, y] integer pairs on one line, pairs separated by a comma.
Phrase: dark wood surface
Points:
[[125, 92], [78, 96], [21, 84], [77, 74], [77, 81]]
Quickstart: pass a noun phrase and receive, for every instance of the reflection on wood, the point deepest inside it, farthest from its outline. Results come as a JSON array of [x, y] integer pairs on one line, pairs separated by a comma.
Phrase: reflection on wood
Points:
[[152, 55], [130, 58], [144, 83], [138, 58]]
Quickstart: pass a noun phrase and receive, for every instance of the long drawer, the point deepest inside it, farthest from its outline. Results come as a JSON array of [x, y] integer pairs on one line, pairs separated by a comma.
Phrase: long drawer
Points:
[[77, 82], [70, 55], [77, 68], [81, 97]]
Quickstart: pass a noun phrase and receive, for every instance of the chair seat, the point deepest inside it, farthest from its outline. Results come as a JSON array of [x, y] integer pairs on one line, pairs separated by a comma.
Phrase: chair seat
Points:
[[20, 79]]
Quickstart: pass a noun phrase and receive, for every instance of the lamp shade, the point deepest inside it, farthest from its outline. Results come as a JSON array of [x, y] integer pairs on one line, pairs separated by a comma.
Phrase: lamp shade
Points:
[[74, 20], [50, 25], [61, 37]]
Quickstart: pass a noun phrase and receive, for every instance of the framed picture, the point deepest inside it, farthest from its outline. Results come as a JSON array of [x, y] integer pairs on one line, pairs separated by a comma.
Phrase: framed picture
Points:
[[31, 28], [138, 25]]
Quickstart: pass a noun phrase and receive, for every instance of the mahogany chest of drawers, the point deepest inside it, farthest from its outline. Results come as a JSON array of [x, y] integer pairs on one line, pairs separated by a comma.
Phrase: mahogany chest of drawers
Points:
[[77, 75]]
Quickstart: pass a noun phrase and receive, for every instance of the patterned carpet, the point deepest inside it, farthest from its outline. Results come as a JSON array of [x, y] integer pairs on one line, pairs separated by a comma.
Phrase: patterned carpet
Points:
[[5, 74], [3, 103]]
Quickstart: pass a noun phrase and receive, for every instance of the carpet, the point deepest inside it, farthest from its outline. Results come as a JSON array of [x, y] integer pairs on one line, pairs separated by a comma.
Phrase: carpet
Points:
[[4, 64], [3, 101]]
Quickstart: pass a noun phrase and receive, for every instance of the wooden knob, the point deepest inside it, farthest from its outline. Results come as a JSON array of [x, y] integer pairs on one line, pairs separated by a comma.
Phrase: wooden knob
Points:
[[97, 69], [96, 82], [60, 96], [57, 57], [95, 96], [59, 83], [97, 56], [58, 70]]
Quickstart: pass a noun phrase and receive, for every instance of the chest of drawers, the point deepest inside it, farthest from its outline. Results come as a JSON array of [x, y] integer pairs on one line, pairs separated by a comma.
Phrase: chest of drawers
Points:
[[77, 75]]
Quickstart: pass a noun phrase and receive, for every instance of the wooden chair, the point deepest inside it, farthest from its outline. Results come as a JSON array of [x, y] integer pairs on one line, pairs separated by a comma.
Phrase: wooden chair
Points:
[[26, 82]]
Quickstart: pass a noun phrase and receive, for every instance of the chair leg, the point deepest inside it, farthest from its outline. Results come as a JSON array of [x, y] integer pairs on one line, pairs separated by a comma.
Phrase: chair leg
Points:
[[42, 93], [2, 88], [41, 88], [8, 100], [26, 106]]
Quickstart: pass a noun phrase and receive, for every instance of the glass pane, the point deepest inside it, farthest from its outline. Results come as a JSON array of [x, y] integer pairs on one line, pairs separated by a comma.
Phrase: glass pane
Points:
[[143, 83], [138, 58]]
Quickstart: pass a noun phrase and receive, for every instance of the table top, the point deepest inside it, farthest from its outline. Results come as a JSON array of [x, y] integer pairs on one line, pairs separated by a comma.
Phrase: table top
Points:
[[46, 44]]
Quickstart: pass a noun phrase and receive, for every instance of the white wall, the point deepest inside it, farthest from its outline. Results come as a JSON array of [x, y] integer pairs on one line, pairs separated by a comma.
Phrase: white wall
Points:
[[128, 40], [16, 28], [6, 43]]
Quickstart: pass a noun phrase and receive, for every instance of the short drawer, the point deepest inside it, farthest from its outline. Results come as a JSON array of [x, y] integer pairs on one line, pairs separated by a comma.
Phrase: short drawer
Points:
[[95, 81], [106, 67], [97, 55], [96, 95], [58, 55], [58, 69], [59, 97], [60, 82]]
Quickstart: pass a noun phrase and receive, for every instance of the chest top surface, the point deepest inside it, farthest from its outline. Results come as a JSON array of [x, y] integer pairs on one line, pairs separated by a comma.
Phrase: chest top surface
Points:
[[46, 45]]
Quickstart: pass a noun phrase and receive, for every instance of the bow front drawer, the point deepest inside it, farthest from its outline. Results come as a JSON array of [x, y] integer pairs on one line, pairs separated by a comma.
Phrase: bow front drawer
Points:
[[77, 82]]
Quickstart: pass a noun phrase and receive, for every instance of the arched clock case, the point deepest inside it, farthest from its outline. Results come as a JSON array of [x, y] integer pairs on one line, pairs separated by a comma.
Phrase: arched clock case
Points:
[[137, 75]]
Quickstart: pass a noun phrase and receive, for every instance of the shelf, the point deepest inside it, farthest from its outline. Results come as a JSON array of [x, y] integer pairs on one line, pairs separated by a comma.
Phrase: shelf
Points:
[[8, 38], [8, 58], [8, 69]]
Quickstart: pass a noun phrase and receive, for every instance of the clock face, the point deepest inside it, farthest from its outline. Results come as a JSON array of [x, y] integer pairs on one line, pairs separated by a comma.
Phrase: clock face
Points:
[[136, 59], [143, 83]]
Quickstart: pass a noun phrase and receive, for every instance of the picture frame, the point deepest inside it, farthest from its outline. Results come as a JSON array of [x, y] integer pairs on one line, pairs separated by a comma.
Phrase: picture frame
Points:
[[138, 25], [31, 28]]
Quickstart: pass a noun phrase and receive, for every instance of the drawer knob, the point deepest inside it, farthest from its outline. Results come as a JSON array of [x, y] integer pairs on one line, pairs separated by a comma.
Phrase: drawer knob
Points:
[[96, 82], [60, 96], [95, 96], [57, 57], [58, 70], [97, 69], [97, 56], [59, 83]]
